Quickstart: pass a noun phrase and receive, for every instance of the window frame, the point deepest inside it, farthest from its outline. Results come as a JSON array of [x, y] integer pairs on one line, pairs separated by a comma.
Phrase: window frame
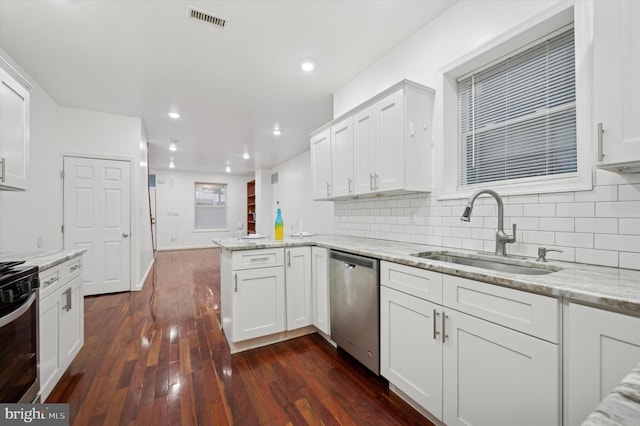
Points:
[[521, 37], [201, 228]]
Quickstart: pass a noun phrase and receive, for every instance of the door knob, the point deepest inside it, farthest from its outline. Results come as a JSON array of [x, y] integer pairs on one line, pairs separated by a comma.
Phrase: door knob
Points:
[[125, 235]]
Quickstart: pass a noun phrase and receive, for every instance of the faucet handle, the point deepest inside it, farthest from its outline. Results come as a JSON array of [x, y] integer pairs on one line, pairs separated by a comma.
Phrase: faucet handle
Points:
[[512, 239]]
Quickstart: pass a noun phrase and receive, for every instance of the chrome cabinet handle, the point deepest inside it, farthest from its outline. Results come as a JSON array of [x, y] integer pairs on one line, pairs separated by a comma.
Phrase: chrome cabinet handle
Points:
[[350, 186], [328, 189], [600, 142], [444, 335], [3, 162], [435, 331], [67, 307], [371, 181], [236, 278], [255, 259], [375, 181], [74, 268], [51, 281]]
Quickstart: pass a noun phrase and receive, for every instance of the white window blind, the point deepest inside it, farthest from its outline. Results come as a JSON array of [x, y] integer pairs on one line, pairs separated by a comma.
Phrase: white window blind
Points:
[[210, 205], [517, 117]]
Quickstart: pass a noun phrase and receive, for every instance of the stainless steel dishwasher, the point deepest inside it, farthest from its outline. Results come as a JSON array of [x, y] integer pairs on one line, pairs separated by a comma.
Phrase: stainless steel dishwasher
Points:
[[355, 306]]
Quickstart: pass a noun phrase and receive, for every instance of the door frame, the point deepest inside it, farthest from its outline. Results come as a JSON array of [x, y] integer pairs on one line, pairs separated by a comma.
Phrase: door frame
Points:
[[132, 205]]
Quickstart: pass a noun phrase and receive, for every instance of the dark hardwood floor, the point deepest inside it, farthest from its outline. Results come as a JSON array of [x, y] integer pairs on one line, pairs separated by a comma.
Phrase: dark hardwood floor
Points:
[[159, 357]]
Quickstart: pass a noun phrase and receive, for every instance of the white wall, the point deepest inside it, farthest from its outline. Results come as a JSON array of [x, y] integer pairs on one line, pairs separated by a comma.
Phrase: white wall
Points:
[[293, 192], [175, 211], [599, 226], [32, 220]]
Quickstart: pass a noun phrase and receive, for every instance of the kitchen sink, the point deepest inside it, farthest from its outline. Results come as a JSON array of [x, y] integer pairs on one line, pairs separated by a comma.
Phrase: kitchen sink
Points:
[[495, 263]]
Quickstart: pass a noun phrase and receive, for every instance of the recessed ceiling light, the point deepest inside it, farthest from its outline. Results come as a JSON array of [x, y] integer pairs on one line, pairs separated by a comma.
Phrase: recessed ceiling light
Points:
[[174, 115], [276, 129], [246, 156], [173, 146], [171, 163], [228, 169], [307, 66]]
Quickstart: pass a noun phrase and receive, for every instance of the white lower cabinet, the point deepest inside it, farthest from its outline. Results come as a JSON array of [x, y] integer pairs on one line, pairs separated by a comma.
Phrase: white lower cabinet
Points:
[[601, 347], [320, 289], [258, 302], [61, 321], [486, 362], [298, 287]]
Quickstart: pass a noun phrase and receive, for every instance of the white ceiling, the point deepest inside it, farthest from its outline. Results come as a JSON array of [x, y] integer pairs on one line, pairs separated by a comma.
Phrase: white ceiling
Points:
[[145, 58]]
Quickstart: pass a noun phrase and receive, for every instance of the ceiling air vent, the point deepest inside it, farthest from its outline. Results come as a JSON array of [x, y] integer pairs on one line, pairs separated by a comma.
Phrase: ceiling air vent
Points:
[[207, 18]]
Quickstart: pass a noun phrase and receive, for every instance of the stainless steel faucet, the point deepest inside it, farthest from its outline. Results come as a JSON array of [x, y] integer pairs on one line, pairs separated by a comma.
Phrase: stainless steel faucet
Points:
[[501, 238]]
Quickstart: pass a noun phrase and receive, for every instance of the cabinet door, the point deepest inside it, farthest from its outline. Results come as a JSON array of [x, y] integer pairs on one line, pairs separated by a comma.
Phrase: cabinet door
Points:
[[389, 172], [616, 66], [14, 132], [365, 147], [320, 289], [49, 345], [258, 303], [321, 165], [342, 158], [71, 320], [411, 348], [602, 348], [298, 287], [497, 376]]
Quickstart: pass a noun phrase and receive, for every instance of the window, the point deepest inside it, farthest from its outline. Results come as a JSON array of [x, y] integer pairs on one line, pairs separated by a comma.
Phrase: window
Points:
[[517, 117], [210, 205]]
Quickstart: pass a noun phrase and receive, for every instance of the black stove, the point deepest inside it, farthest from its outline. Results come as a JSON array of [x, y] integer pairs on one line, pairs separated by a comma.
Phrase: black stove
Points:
[[17, 281]]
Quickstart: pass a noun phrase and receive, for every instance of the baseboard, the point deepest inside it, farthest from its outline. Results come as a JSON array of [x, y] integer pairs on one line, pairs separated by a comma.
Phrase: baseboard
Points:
[[269, 340], [185, 248], [140, 285]]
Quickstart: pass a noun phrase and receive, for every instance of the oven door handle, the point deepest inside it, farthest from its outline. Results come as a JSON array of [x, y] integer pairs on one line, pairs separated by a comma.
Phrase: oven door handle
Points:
[[18, 312]]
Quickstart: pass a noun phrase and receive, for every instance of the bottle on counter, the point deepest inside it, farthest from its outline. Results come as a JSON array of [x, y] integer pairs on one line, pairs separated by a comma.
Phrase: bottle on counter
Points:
[[279, 226]]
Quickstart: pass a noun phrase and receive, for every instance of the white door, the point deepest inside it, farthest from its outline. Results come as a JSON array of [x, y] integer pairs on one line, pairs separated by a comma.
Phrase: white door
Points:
[[616, 67], [602, 347], [390, 157], [298, 287], [320, 289], [97, 216], [365, 148], [321, 165], [342, 157], [411, 347], [497, 376], [152, 201]]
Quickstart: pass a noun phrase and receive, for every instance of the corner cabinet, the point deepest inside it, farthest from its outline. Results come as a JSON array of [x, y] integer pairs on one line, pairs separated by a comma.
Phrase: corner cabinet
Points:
[[380, 146], [601, 347], [14, 129], [298, 287], [616, 66], [61, 321], [468, 352], [320, 289]]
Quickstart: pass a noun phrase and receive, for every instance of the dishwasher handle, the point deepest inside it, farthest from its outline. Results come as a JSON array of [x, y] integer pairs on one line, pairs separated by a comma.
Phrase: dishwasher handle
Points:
[[351, 261]]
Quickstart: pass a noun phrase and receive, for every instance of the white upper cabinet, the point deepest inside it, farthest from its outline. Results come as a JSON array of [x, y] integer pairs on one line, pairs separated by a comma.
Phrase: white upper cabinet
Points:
[[321, 165], [616, 67], [342, 157], [14, 131], [383, 145]]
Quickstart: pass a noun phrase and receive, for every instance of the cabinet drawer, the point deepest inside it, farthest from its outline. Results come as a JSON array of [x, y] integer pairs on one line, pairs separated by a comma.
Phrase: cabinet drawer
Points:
[[50, 280], [417, 282], [250, 259], [529, 313], [72, 268]]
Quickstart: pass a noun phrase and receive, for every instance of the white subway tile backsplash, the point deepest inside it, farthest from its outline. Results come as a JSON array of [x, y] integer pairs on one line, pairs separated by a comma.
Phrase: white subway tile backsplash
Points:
[[523, 223], [481, 210], [538, 237], [513, 210], [562, 197], [443, 231], [604, 177], [629, 192], [619, 209], [461, 232], [566, 224], [597, 225], [574, 239], [522, 199], [471, 244], [539, 210], [483, 234], [599, 193], [441, 211], [629, 260], [597, 257], [575, 210], [618, 242], [630, 226], [434, 240], [452, 242]]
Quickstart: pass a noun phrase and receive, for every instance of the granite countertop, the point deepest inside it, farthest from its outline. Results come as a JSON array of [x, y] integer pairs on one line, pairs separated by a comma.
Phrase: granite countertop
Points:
[[604, 286], [44, 259], [622, 406]]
